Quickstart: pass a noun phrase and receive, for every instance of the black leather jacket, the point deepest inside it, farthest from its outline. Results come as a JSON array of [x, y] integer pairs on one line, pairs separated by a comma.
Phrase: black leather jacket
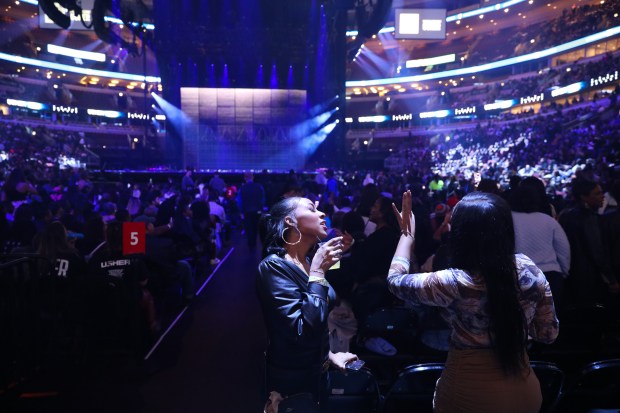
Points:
[[295, 313]]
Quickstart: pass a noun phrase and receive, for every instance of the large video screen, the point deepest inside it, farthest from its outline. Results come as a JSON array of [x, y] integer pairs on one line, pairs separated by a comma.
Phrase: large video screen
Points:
[[421, 24], [241, 129]]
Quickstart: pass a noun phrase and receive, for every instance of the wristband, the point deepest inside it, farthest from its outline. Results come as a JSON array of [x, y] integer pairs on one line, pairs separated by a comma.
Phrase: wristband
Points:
[[318, 280]]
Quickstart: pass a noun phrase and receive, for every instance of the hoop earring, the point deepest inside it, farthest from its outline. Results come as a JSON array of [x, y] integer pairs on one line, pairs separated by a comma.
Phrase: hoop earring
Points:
[[291, 243]]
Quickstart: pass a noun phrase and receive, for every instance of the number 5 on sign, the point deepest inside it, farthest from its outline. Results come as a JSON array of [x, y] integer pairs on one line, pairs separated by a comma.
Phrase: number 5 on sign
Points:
[[134, 238]]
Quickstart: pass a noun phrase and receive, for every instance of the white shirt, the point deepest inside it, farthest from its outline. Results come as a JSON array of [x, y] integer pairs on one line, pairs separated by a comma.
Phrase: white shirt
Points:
[[218, 210], [543, 240]]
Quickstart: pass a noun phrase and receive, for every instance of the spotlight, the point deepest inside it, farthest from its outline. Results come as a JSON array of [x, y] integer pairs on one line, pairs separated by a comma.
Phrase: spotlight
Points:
[[53, 12]]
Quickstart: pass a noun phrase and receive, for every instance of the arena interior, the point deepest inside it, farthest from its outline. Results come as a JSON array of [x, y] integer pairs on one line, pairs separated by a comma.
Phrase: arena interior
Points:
[[157, 114]]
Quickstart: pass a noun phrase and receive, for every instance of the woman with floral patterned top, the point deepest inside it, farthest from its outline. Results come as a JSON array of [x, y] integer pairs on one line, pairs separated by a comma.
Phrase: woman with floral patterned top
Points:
[[493, 300]]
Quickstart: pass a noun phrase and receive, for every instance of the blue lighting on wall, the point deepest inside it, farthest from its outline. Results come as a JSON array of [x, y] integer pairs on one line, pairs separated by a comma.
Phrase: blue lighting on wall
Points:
[[80, 70], [490, 66]]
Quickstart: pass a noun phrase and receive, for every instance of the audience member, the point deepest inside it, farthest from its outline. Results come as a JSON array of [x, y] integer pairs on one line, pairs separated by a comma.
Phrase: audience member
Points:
[[295, 296], [492, 298], [541, 239]]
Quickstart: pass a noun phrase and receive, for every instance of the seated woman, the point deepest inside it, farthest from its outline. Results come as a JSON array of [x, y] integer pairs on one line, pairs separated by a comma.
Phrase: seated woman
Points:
[[491, 297], [296, 298]]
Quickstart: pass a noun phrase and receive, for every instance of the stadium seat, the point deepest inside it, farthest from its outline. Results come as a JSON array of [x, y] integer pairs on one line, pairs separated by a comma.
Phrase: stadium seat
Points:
[[352, 392], [298, 403], [597, 386], [551, 380], [413, 389], [398, 325]]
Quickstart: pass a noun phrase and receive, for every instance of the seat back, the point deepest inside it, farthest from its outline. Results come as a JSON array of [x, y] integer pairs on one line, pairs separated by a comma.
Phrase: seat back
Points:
[[390, 319], [23, 344], [353, 391], [551, 380], [116, 325], [413, 389], [298, 403], [398, 325], [597, 386]]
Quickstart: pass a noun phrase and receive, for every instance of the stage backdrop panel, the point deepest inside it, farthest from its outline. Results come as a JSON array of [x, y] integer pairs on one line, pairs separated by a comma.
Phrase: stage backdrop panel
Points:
[[241, 129]]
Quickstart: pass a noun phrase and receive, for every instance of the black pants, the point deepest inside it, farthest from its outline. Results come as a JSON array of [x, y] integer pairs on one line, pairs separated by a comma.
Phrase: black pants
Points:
[[250, 224], [556, 283]]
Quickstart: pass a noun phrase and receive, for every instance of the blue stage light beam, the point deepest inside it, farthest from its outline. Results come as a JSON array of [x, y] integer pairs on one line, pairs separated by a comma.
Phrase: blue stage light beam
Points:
[[309, 126], [321, 107], [310, 144], [175, 116], [368, 66], [15, 29], [393, 51]]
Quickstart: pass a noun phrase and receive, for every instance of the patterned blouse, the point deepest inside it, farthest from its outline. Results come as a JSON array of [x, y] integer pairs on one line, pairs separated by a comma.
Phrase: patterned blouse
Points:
[[462, 298]]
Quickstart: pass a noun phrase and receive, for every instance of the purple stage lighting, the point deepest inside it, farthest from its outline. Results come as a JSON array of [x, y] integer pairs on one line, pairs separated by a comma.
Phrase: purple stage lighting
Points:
[[273, 82], [290, 79], [260, 77], [225, 79]]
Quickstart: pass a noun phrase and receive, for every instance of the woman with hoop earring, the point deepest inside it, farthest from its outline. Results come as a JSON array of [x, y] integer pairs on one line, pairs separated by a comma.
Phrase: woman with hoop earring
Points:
[[295, 296]]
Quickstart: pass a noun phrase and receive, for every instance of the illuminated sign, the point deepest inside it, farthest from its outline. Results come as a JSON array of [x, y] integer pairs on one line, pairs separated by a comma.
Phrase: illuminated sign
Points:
[[64, 109], [76, 21], [160, 117], [449, 58], [435, 114], [375, 119], [465, 111], [348, 120], [137, 116], [78, 54], [502, 104], [601, 80], [567, 90], [25, 104], [105, 113], [532, 99], [403, 117], [420, 24]]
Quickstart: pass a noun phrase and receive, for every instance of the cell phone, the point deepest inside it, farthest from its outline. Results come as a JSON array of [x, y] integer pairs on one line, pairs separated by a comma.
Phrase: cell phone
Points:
[[354, 365]]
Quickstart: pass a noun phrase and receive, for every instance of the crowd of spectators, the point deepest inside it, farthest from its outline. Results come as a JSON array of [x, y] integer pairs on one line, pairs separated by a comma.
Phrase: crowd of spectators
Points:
[[77, 224], [573, 23], [39, 147], [552, 146]]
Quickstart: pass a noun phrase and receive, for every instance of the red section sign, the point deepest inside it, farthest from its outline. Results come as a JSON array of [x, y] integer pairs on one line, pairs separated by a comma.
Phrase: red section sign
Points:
[[134, 238]]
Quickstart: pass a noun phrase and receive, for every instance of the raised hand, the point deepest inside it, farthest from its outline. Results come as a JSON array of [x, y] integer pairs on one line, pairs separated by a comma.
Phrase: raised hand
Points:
[[406, 219]]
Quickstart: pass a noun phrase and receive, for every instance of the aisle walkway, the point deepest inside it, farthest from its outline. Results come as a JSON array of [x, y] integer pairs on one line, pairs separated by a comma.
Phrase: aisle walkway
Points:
[[211, 361]]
